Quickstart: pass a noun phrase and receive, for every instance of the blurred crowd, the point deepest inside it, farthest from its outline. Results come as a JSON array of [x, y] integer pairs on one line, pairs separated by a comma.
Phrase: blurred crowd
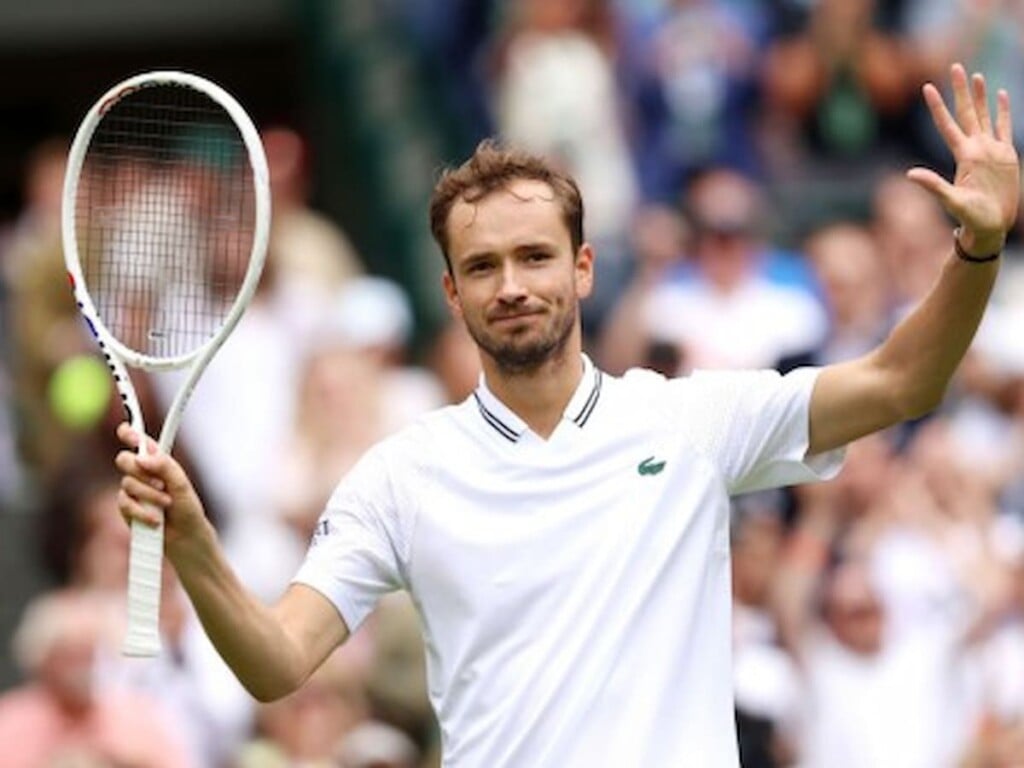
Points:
[[742, 163]]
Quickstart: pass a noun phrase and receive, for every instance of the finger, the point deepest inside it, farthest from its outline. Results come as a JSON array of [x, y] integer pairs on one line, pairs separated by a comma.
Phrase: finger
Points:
[[1004, 121], [979, 95], [145, 492], [127, 434], [966, 115], [162, 466], [944, 122], [127, 462], [948, 195], [130, 436], [133, 511]]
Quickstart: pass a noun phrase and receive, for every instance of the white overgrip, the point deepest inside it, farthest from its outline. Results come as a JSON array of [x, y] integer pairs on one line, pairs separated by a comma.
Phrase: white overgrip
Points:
[[145, 561]]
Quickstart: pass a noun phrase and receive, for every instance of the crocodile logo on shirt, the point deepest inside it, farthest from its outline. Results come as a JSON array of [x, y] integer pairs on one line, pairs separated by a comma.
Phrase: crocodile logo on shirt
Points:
[[649, 466]]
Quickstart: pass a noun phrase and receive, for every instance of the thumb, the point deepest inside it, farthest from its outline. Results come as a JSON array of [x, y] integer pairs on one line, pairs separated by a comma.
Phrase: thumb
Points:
[[932, 182]]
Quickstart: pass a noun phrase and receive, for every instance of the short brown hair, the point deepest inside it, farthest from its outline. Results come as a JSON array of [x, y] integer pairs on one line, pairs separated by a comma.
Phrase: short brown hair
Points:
[[492, 167]]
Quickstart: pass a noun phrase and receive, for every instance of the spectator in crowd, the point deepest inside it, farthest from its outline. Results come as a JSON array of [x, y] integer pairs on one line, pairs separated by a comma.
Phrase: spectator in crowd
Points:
[[37, 227], [455, 362], [397, 684], [373, 316], [61, 716], [305, 246], [452, 36], [848, 266], [765, 680], [355, 387], [837, 81], [378, 745], [909, 225], [80, 543], [366, 707], [693, 88], [45, 328], [659, 238], [997, 745], [908, 589], [341, 410], [837, 94], [728, 312], [308, 727], [996, 739], [86, 547], [33, 236], [984, 34]]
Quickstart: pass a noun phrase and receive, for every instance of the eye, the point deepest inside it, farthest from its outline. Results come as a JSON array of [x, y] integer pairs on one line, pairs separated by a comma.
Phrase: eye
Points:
[[537, 257], [478, 268]]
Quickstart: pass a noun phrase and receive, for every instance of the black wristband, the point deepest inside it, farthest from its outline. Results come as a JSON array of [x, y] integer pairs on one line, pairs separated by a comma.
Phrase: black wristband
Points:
[[965, 256]]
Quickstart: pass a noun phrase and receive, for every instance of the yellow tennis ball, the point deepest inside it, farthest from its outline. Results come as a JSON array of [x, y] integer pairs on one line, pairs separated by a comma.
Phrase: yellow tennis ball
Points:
[[79, 392]]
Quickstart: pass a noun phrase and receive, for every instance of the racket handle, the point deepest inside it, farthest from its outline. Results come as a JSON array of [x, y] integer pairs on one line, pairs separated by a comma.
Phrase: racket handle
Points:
[[145, 560]]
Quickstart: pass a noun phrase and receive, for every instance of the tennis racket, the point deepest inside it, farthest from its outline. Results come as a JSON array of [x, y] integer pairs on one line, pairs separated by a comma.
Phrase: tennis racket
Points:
[[165, 218]]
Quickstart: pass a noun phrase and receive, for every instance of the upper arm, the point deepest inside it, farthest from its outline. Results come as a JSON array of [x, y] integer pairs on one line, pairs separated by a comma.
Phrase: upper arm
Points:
[[850, 400], [312, 623], [752, 426]]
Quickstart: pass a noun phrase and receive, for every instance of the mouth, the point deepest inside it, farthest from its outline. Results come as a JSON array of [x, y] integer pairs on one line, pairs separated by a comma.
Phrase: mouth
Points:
[[513, 318]]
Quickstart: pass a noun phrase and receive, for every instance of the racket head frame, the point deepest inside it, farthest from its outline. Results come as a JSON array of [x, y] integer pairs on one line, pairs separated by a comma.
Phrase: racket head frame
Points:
[[261, 183]]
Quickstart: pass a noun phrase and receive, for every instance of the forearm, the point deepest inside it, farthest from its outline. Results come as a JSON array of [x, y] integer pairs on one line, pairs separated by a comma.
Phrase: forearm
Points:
[[271, 650], [246, 633], [924, 349]]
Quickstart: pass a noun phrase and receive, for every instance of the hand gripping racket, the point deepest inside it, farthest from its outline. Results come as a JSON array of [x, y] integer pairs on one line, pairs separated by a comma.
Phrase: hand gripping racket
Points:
[[165, 217]]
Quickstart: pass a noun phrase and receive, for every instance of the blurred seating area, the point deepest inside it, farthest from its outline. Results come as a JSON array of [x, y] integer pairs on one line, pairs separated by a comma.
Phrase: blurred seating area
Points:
[[742, 163]]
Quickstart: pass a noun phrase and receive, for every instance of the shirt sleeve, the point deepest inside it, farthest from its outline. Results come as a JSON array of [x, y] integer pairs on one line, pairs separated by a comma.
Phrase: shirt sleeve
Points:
[[757, 428], [357, 550]]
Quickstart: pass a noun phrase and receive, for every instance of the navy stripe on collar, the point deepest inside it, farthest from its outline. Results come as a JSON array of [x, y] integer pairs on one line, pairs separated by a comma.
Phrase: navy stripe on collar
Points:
[[588, 406], [499, 426]]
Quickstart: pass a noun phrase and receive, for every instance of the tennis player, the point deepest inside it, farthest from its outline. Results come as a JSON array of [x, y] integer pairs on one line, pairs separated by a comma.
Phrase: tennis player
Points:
[[563, 533]]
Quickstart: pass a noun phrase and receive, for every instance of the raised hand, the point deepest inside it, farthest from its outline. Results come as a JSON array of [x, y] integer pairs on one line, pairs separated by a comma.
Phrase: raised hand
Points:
[[985, 191]]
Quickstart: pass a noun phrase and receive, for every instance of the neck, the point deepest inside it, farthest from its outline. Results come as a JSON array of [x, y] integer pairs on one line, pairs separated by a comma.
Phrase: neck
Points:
[[538, 396]]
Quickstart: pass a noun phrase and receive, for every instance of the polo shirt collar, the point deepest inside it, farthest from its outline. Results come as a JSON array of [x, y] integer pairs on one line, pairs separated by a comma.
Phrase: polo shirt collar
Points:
[[506, 423]]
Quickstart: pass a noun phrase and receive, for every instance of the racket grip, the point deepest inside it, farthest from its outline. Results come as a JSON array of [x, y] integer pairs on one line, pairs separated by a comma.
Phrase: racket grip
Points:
[[145, 560]]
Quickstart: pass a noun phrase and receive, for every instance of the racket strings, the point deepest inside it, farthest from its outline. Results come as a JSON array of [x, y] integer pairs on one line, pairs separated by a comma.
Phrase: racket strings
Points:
[[165, 219]]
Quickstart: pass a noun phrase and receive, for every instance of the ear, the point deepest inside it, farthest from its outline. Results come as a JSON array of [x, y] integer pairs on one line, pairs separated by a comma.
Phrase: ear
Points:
[[584, 268], [451, 294]]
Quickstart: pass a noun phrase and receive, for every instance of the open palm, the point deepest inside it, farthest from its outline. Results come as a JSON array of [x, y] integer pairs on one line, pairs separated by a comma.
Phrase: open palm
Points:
[[985, 190]]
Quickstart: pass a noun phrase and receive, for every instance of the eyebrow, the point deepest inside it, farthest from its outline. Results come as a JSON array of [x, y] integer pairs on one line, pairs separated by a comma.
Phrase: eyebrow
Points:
[[540, 245]]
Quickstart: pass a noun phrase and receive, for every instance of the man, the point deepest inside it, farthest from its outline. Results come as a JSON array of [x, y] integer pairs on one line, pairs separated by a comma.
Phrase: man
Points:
[[564, 534]]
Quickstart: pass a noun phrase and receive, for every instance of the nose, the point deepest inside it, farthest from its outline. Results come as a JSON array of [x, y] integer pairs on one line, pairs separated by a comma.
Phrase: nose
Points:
[[511, 290]]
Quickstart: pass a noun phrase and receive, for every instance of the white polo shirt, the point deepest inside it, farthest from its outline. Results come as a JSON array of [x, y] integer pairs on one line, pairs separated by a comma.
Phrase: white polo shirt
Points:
[[574, 592]]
